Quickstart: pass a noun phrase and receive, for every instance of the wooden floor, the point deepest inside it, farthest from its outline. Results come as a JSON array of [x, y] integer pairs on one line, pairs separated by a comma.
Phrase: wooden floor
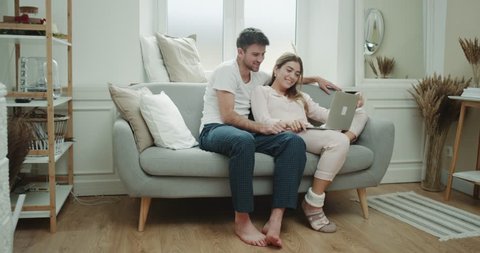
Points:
[[205, 225]]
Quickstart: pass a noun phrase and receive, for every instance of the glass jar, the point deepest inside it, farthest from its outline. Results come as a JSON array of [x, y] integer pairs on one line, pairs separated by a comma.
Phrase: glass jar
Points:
[[33, 75]]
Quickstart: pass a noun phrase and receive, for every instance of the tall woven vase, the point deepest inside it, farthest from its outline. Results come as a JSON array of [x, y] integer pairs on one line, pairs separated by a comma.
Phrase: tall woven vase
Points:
[[433, 161]]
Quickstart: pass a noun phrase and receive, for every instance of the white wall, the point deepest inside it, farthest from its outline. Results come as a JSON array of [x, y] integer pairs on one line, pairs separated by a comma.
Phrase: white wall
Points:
[[318, 38], [116, 58], [462, 22], [106, 49], [148, 10], [403, 37], [5, 64]]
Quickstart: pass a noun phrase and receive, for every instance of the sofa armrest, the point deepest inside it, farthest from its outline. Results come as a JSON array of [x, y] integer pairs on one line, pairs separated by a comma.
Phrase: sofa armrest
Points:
[[126, 158], [378, 135]]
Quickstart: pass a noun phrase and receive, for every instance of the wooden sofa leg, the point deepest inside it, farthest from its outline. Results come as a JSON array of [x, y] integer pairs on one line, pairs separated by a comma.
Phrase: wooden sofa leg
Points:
[[144, 207], [362, 196]]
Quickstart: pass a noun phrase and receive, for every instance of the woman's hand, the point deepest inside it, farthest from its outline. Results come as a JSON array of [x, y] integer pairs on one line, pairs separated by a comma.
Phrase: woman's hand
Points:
[[361, 100], [351, 136], [326, 85], [295, 125]]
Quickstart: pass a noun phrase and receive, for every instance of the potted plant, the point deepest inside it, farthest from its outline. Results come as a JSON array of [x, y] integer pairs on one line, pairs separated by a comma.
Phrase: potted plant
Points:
[[384, 66], [438, 112], [471, 49]]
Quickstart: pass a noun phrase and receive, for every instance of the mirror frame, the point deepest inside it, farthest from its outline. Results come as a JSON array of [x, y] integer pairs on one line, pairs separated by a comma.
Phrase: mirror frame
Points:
[[435, 12], [373, 23]]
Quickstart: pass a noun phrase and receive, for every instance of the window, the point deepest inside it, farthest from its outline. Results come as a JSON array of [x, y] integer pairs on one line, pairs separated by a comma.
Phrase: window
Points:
[[217, 24], [203, 18], [276, 18]]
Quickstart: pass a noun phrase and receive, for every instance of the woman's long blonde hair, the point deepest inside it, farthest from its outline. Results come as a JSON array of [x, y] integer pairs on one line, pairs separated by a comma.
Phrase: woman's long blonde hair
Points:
[[292, 92]]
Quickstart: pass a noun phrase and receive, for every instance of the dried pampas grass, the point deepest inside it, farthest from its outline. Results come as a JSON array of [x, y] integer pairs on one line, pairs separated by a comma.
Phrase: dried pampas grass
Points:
[[19, 137], [438, 112], [431, 95], [383, 67], [471, 49]]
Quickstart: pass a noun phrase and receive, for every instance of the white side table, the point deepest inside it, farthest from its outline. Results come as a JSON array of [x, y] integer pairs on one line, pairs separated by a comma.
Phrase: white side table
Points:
[[471, 176]]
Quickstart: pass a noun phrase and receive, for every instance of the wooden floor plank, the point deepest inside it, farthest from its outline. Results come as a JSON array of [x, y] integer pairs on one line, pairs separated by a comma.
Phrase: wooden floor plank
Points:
[[205, 225]]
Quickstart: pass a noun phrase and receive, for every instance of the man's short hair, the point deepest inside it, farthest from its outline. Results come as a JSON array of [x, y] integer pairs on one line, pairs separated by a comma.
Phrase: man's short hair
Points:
[[250, 36]]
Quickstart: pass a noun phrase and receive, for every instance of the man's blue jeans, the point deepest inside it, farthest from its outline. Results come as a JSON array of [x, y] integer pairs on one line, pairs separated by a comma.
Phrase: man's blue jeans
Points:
[[287, 148]]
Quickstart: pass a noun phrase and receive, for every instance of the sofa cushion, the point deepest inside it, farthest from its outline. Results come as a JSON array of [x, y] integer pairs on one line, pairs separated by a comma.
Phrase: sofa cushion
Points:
[[358, 158], [165, 122], [195, 162], [181, 58], [127, 102]]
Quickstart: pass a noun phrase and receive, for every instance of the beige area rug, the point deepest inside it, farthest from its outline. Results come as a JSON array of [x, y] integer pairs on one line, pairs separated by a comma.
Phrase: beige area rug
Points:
[[443, 221]]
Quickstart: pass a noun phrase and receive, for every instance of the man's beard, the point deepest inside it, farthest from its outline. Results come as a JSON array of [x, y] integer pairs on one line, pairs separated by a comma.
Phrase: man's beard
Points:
[[251, 67]]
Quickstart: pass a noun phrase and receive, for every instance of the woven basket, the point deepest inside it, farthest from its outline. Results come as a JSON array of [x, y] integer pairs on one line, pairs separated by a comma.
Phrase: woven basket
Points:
[[38, 121]]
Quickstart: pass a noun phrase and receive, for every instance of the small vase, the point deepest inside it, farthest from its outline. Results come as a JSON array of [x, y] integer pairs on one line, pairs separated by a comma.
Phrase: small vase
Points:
[[476, 75]]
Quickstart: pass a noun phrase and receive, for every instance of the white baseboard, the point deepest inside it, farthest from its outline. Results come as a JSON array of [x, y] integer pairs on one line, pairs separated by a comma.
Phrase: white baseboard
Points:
[[99, 187], [402, 175]]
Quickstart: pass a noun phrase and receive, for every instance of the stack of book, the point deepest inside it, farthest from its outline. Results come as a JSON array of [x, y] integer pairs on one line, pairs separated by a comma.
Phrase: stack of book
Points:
[[471, 92]]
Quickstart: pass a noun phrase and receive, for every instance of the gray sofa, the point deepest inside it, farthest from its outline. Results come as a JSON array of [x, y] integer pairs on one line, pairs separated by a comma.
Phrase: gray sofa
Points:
[[164, 173]]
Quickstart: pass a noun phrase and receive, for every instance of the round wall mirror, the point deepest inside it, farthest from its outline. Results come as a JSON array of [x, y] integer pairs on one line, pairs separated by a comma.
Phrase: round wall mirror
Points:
[[373, 31]]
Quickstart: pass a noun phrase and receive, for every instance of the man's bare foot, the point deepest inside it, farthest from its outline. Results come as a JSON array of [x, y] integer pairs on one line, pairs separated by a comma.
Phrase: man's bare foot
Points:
[[272, 231], [247, 232]]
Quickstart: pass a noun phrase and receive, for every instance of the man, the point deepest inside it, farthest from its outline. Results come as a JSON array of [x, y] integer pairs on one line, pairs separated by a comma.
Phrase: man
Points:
[[226, 129]]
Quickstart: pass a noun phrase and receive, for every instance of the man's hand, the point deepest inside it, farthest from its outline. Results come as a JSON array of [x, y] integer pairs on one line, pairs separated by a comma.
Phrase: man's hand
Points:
[[326, 85], [323, 84], [295, 126], [276, 128]]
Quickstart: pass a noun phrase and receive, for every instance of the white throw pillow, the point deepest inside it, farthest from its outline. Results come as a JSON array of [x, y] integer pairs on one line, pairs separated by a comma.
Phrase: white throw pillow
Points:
[[165, 122], [153, 60], [181, 58]]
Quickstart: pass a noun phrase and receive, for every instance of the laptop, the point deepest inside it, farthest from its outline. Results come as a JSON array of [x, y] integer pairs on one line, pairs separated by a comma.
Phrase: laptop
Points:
[[342, 110]]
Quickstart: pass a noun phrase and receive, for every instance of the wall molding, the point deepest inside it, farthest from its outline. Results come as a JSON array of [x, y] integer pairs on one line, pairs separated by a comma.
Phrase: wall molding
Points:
[[83, 187]]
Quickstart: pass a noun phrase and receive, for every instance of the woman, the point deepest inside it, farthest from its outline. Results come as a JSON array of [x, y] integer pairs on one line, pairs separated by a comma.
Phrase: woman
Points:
[[280, 101]]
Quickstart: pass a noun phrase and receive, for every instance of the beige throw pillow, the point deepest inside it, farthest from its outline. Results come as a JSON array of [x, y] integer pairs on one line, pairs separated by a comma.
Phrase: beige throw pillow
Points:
[[127, 102], [181, 58]]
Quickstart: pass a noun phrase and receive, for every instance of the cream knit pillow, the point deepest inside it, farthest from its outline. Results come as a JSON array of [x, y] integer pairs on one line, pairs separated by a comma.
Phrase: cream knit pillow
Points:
[[181, 58]]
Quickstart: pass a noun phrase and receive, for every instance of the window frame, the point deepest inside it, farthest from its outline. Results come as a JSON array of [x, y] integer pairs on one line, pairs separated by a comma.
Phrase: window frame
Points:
[[233, 23]]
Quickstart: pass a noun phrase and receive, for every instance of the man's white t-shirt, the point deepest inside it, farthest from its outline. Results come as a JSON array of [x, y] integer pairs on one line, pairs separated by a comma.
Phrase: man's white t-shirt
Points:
[[226, 77]]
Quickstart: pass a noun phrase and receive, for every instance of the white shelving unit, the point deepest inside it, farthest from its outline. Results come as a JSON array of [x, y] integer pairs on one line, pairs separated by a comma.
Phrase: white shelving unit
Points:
[[44, 159], [30, 39], [48, 203], [37, 103], [40, 198]]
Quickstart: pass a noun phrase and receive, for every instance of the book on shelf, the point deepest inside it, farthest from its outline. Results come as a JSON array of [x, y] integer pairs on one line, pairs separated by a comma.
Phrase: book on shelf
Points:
[[471, 92]]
